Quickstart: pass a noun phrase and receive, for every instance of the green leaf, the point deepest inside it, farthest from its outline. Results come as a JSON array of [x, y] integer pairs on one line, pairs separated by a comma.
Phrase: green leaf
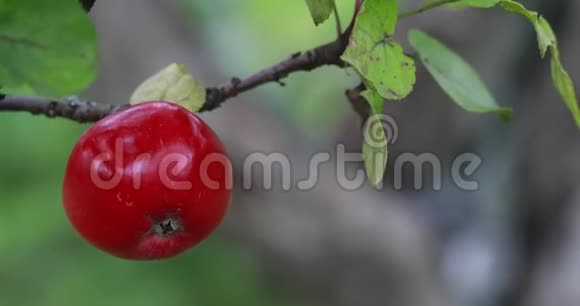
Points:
[[374, 149], [172, 84], [564, 85], [546, 36], [320, 10], [547, 41], [47, 48], [376, 57], [455, 76]]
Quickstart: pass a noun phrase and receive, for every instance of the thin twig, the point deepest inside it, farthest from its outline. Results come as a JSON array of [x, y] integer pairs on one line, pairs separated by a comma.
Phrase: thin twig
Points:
[[425, 8], [328, 54]]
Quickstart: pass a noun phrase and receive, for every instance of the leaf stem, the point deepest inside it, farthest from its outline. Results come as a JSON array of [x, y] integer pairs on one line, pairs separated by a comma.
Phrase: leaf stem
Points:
[[338, 23], [425, 8]]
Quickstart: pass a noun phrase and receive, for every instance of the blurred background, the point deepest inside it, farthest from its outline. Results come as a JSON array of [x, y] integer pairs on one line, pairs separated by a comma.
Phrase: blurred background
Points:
[[514, 241]]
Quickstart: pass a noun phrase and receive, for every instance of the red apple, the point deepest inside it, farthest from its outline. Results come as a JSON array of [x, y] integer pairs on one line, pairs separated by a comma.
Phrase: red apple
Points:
[[147, 182]]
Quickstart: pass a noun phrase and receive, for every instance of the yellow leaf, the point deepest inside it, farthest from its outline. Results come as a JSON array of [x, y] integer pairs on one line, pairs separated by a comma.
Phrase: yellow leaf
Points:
[[172, 84]]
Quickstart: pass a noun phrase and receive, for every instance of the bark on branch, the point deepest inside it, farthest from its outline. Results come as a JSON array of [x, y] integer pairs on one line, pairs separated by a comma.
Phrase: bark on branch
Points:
[[88, 111]]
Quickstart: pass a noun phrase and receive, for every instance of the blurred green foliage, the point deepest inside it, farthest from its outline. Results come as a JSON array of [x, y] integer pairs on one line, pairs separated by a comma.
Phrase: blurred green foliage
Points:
[[55, 60], [251, 35]]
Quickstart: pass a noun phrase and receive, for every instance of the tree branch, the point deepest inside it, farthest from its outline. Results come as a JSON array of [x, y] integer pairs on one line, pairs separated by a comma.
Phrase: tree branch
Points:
[[425, 8], [88, 111], [328, 54], [71, 108]]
